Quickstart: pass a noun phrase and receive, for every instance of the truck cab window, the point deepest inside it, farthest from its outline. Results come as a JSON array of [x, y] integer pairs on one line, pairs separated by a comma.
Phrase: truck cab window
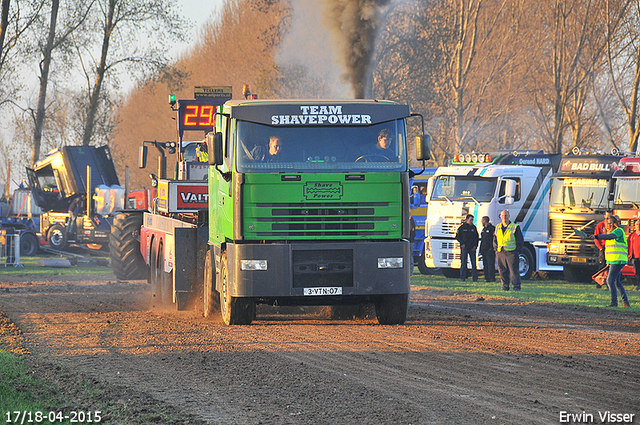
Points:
[[376, 148]]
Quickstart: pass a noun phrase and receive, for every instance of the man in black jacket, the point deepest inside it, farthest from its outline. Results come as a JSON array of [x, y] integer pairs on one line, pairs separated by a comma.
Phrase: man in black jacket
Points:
[[467, 235], [486, 249]]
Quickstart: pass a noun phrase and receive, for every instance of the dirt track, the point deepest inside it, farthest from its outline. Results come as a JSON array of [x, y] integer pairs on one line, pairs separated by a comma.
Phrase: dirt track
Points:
[[458, 360]]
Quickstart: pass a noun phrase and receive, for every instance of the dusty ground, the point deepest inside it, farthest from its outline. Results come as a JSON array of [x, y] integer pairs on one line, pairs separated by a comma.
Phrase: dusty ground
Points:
[[460, 359]]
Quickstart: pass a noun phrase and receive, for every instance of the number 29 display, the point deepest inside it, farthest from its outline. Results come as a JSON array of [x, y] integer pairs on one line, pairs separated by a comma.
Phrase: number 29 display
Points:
[[194, 115]]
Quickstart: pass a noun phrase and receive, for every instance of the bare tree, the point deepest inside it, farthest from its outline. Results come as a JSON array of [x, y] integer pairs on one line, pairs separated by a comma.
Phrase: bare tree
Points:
[[120, 21], [572, 48], [4, 23], [76, 17], [15, 19], [623, 61]]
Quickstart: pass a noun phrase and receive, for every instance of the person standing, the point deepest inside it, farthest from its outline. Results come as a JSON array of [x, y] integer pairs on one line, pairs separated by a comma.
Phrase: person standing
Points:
[[486, 249], [634, 252], [600, 229], [467, 235], [508, 243], [616, 254]]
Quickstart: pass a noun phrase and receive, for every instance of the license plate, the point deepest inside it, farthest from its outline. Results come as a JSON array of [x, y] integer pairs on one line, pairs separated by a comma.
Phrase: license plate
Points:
[[323, 291], [578, 260]]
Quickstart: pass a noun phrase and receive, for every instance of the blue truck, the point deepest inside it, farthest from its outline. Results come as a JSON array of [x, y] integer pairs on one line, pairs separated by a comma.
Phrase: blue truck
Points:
[[418, 210]]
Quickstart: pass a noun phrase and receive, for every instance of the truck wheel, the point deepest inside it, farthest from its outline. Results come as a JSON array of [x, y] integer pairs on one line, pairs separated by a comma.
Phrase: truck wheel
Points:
[[525, 264], [124, 248], [392, 309], [209, 293], [154, 277], [421, 265], [57, 236], [234, 311], [29, 244], [451, 273], [165, 280]]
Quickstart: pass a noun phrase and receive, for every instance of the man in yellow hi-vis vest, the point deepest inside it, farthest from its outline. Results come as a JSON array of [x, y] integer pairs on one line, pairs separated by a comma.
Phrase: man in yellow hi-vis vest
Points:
[[508, 243], [616, 254]]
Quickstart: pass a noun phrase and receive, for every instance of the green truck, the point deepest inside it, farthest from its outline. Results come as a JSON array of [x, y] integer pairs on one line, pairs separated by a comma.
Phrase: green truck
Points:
[[301, 203], [308, 206]]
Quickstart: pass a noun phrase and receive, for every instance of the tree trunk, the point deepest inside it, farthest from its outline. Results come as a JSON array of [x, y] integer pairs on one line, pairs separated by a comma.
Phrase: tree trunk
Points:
[[4, 22], [94, 101], [44, 80]]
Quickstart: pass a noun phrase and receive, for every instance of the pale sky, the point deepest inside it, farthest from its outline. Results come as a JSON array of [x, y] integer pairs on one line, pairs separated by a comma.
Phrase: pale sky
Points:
[[197, 11]]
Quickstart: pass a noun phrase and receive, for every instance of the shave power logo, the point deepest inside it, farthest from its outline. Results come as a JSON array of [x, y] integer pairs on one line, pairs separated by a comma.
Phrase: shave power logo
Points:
[[322, 191]]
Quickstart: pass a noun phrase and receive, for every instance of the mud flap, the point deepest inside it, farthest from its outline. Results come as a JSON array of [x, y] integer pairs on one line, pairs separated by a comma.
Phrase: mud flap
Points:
[[185, 268]]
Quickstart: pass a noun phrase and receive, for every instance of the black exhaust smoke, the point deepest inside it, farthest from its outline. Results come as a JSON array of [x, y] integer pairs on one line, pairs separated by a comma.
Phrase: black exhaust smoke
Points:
[[354, 22]]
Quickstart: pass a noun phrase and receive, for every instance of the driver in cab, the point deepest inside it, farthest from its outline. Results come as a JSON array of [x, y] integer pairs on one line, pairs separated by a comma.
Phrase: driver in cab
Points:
[[270, 153], [381, 151]]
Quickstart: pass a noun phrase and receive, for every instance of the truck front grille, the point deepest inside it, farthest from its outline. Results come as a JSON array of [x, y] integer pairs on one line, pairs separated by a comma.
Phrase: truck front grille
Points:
[[584, 249], [449, 226], [322, 219], [313, 268], [561, 230]]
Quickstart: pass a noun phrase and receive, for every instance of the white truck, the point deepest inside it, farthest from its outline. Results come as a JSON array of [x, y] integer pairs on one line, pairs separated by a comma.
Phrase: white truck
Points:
[[483, 185]]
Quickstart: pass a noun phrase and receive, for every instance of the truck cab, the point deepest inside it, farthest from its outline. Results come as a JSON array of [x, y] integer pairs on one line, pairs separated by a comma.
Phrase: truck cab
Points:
[[582, 190], [484, 185], [418, 205], [323, 219], [77, 188]]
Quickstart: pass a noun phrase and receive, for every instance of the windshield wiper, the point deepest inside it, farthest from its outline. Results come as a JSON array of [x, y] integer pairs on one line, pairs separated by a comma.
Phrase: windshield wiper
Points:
[[470, 197], [443, 196], [621, 201]]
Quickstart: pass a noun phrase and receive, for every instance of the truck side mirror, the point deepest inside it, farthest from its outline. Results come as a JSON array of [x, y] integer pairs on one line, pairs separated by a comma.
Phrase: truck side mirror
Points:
[[423, 147], [142, 156], [510, 190], [214, 146]]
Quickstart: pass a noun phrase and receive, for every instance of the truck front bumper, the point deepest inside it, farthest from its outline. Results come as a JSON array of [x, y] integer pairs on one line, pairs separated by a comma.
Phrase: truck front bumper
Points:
[[315, 271]]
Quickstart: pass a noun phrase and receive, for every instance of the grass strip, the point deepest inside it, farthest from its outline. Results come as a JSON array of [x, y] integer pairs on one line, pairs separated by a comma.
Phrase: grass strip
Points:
[[30, 384], [545, 291], [30, 268]]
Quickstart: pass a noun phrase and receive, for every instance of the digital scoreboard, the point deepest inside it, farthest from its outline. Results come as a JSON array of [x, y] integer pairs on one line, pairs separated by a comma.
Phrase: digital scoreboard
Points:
[[196, 114], [199, 114]]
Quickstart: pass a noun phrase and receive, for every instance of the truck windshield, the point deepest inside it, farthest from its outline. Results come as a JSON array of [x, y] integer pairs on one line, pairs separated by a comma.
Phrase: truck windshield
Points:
[[463, 188], [583, 193], [265, 149], [628, 191]]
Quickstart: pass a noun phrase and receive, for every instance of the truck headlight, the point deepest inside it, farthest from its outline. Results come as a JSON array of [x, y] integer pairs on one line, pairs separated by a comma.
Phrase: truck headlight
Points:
[[553, 248], [391, 263], [253, 265]]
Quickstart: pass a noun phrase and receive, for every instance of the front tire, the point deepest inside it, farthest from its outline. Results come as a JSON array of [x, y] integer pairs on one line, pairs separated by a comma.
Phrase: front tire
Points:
[[57, 236], [421, 265], [124, 248], [392, 309], [234, 310], [525, 264], [29, 244]]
